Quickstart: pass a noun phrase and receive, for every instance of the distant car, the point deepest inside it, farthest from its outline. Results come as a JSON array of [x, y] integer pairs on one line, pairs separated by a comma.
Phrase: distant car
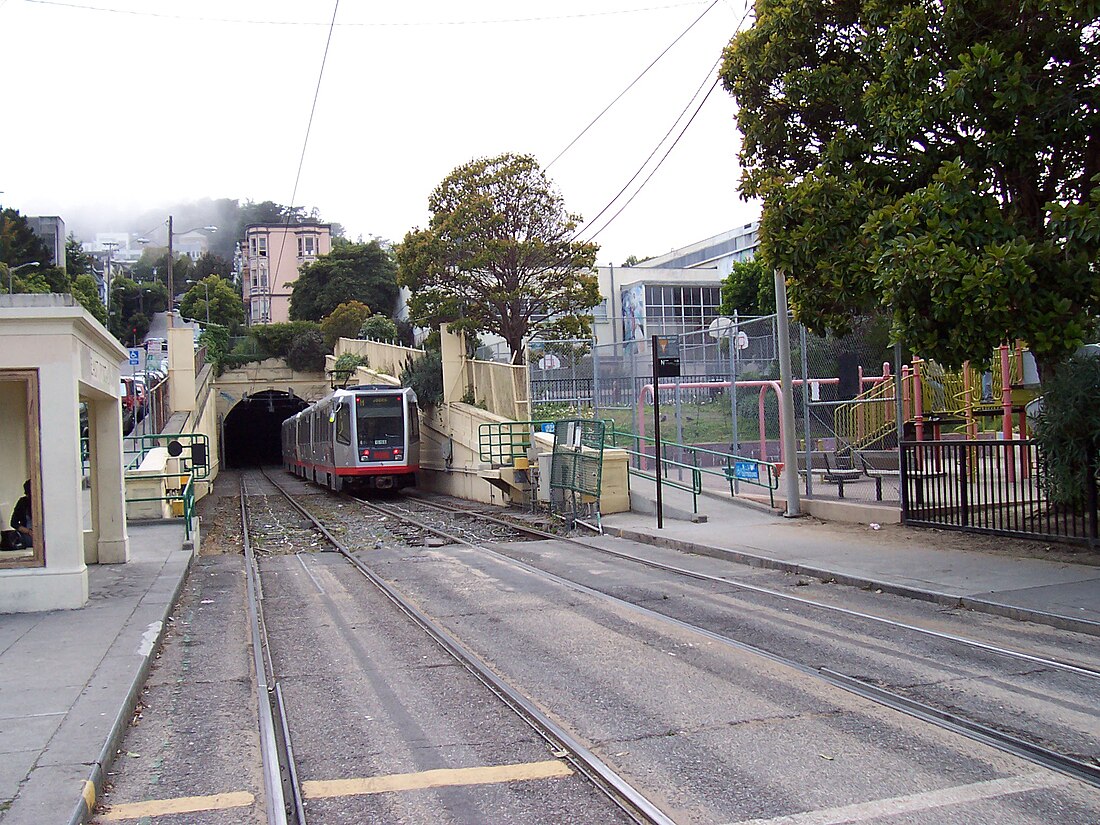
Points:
[[129, 418]]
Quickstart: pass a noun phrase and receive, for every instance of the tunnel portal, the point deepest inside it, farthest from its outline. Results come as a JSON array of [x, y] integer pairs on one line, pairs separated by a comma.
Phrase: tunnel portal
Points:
[[251, 431]]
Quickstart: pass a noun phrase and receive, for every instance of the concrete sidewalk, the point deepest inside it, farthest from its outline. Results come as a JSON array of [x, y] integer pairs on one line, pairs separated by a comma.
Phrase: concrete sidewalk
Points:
[[923, 564], [69, 679]]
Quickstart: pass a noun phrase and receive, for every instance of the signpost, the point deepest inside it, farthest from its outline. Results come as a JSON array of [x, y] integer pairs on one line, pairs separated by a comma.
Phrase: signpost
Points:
[[666, 364]]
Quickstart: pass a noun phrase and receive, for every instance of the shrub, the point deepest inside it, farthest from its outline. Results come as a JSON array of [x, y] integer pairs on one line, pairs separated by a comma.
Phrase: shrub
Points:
[[344, 322], [378, 327], [306, 352], [345, 367], [275, 339], [1068, 430], [425, 376]]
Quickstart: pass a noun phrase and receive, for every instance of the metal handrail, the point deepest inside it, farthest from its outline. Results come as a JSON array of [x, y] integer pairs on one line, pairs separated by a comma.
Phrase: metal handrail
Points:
[[186, 495], [727, 471]]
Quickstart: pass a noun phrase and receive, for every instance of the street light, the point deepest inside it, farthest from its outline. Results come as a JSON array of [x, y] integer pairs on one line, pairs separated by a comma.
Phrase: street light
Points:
[[206, 287], [111, 247], [13, 269]]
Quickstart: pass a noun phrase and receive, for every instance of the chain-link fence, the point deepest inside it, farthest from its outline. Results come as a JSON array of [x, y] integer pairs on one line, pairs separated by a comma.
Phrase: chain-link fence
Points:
[[843, 396]]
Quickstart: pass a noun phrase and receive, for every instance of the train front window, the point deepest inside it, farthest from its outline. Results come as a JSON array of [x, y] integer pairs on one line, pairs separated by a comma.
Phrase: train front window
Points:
[[379, 424]]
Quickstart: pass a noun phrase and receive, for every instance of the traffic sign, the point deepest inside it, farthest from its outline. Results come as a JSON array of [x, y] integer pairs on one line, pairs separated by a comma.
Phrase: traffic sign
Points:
[[135, 357]]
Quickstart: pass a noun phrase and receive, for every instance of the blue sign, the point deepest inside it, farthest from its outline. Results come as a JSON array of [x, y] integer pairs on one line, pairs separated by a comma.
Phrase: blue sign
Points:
[[548, 427], [135, 357], [747, 470]]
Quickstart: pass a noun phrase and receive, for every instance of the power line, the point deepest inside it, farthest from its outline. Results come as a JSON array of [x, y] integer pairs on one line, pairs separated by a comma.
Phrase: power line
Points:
[[659, 163], [645, 162], [630, 86], [591, 222], [370, 24], [305, 143]]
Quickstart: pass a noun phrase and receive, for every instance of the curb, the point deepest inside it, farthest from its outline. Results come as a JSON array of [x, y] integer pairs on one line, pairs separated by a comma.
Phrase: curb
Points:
[[978, 605], [93, 784]]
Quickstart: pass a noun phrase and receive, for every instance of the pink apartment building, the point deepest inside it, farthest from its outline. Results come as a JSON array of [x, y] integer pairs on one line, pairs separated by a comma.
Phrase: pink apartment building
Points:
[[271, 255]]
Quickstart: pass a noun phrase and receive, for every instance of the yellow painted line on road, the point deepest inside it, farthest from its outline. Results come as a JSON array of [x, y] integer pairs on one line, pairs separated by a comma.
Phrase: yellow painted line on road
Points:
[[179, 805], [550, 769]]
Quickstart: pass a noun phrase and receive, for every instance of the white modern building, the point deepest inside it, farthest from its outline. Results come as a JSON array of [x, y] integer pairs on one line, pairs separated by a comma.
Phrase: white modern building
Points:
[[673, 294]]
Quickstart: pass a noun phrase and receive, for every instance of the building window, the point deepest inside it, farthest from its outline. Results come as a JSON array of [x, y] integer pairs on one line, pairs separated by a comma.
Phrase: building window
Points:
[[252, 246], [261, 246]]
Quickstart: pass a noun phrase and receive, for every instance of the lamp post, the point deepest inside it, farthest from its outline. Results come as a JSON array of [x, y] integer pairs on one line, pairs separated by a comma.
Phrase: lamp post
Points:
[[13, 269], [206, 288], [111, 247]]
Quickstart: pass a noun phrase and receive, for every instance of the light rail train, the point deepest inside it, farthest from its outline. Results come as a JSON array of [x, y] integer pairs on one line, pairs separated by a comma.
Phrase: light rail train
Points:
[[362, 437]]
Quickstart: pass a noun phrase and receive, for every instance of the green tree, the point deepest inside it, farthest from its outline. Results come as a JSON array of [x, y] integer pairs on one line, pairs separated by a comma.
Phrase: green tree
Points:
[[499, 254], [306, 352], [344, 322], [225, 307], [363, 272], [86, 291], [77, 261], [938, 161], [210, 264], [18, 243], [153, 266], [749, 289], [379, 328], [1068, 431]]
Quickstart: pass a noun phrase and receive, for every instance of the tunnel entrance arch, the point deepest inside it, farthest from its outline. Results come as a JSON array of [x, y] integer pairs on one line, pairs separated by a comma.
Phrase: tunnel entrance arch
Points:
[[251, 429]]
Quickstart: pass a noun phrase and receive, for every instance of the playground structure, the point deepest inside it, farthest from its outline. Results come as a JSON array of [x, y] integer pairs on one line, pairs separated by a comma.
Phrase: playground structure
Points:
[[728, 397]]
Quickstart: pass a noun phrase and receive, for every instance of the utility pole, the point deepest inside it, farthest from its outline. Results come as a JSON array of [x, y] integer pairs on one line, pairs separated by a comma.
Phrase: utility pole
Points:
[[170, 301]]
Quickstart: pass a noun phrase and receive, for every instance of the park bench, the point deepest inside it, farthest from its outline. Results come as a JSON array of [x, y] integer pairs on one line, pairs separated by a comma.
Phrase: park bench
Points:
[[831, 468], [880, 464]]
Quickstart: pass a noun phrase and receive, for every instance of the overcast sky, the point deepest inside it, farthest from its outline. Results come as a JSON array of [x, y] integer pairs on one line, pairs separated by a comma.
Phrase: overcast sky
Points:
[[135, 104]]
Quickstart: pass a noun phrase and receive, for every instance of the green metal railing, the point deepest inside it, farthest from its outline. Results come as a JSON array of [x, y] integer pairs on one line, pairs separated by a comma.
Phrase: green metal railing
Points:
[[732, 469], [501, 444], [185, 494], [193, 447]]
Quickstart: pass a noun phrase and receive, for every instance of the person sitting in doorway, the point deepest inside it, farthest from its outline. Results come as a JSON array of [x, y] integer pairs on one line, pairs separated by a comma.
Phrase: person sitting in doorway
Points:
[[21, 517]]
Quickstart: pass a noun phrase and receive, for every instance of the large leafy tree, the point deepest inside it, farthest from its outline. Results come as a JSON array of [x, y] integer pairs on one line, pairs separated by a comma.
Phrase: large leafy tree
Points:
[[216, 298], [499, 255], [937, 160], [363, 272]]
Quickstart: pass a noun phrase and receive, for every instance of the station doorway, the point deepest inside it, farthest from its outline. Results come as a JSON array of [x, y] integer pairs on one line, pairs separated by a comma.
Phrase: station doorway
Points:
[[251, 431]]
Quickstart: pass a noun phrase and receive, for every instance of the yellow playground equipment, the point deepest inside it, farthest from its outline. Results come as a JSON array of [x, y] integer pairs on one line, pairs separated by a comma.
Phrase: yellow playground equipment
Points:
[[935, 402]]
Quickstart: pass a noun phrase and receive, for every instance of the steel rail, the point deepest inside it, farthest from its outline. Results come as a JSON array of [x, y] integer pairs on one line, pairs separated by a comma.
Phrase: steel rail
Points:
[[1021, 748], [617, 789], [1054, 664], [265, 689]]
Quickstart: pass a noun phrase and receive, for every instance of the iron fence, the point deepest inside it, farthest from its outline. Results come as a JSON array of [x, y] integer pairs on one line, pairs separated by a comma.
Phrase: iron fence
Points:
[[989, 486]]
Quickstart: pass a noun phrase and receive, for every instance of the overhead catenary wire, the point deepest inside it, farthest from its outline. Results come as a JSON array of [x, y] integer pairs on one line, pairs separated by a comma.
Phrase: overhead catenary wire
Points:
[[631, 85], [305, 143], [353, 24], [645, 162], [591, 222]]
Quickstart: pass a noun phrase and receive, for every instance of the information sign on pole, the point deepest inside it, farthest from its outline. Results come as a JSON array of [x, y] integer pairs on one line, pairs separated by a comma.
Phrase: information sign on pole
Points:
[[666, 349], [135, 357]]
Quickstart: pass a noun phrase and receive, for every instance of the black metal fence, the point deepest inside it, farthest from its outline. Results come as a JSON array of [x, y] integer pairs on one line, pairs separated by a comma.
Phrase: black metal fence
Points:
[[990, 487]]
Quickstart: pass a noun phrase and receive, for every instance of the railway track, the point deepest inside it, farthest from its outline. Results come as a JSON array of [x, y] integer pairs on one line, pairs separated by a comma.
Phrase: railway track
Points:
[[285, 527], [1083, 767]]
